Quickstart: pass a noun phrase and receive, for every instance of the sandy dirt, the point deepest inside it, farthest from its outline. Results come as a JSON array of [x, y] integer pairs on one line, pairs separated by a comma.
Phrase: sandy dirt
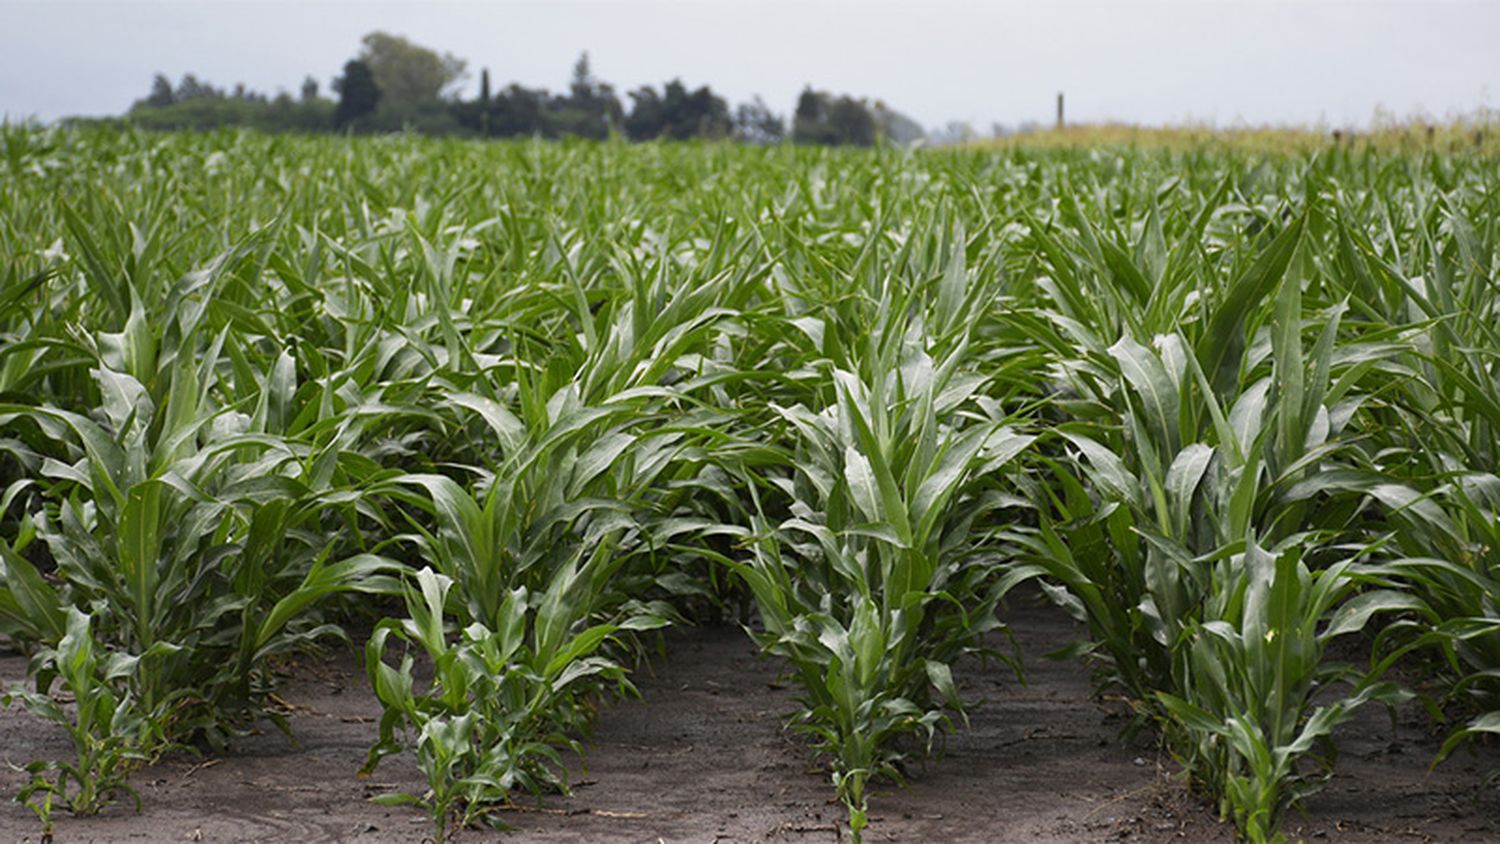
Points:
[[703, 757]]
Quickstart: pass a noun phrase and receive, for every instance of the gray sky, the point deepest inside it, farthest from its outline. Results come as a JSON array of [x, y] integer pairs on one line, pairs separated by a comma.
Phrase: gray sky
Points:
[[1145, 61]]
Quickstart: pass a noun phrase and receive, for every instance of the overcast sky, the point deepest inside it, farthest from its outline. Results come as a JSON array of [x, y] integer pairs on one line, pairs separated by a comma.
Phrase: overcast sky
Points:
[[1145, 61]]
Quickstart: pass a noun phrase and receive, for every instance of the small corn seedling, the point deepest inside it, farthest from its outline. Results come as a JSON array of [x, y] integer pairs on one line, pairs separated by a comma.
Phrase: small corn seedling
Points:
[[112, 734]]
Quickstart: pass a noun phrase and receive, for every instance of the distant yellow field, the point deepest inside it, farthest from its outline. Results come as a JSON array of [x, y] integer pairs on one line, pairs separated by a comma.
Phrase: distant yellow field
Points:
[[1477, 135]]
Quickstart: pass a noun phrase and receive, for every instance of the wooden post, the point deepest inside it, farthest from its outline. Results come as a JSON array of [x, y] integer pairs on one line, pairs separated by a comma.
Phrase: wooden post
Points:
[[1059, 110]]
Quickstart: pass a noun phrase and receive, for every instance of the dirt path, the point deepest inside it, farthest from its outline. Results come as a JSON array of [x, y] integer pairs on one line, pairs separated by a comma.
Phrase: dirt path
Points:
[[703, 758]]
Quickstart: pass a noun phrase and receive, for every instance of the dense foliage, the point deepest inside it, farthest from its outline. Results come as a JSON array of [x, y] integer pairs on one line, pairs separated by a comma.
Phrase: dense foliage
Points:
[[541, 399]]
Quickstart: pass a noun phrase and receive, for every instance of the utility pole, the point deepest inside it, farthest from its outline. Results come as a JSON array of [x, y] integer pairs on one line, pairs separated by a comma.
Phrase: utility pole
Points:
[[1059, 110]]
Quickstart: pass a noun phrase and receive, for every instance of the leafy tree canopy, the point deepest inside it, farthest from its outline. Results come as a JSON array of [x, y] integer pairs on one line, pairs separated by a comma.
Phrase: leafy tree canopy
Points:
[[407, 73]]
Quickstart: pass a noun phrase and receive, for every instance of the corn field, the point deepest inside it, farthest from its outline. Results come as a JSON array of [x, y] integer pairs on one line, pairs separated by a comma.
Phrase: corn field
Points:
[[496, 414]]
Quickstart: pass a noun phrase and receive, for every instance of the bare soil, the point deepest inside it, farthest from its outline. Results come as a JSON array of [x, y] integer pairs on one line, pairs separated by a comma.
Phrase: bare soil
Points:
[[704, 757]]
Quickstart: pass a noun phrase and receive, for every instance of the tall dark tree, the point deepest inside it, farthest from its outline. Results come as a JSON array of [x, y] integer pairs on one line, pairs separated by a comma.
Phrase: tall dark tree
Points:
[[191, 88], [309, 89], [809, 115], [518, 111], [161, 94], [704, 115], [678, 113], [821, 119], [755, 123], [582, 85], [851, 122], [484, 86], [645, 119], [591, 109], [358, 93]]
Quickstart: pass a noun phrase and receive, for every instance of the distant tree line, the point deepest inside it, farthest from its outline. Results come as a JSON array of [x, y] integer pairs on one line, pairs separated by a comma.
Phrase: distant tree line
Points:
[[393, 84]]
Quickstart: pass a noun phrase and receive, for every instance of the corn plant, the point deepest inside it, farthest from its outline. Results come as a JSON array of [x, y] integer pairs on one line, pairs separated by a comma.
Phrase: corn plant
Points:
[[1171, 448], [1180, 450], [1441, 511], [112, 734], [1252, 675], [500, 701], [147, 532], [874, 587], [528, 560]]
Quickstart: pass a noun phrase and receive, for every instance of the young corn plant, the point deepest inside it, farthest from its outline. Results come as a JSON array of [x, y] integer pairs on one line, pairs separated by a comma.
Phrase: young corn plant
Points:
[[874, 586], [194, 543], [1190, 446], [1251, 706], [1162, 450], [1441, 510], [112, 734], [501, 700], [526, 561]]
